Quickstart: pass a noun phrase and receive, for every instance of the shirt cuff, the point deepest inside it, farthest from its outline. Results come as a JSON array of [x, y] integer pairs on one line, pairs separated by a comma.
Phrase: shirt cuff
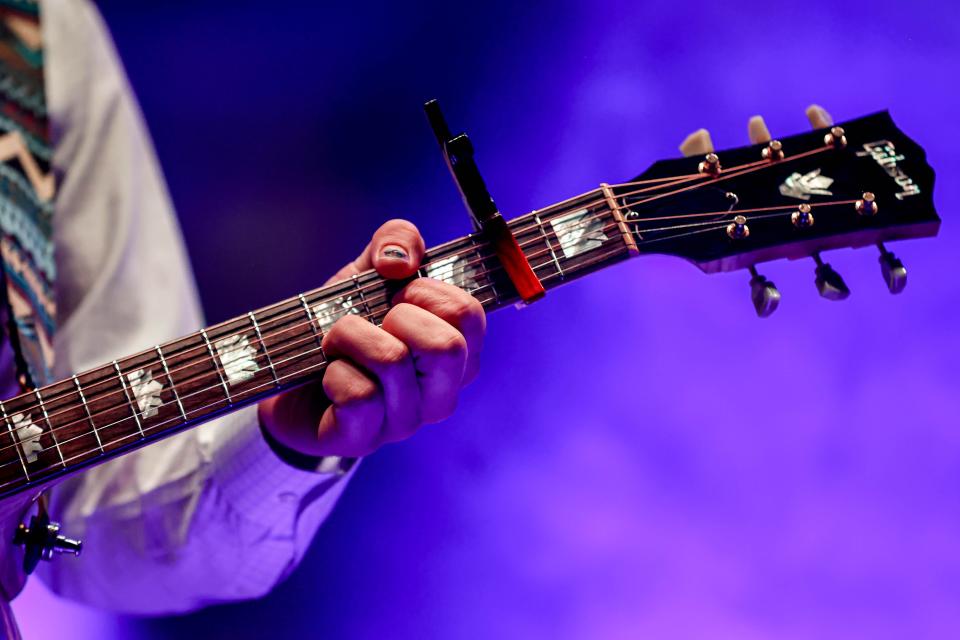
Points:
[[302, 461], [257, 482]]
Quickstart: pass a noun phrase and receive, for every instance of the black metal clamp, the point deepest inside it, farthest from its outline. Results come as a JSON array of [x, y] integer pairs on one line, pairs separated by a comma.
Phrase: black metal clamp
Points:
[[458, 153]]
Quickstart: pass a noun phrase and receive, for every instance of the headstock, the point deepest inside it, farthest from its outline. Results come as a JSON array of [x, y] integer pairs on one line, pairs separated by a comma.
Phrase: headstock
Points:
[[862, 184]]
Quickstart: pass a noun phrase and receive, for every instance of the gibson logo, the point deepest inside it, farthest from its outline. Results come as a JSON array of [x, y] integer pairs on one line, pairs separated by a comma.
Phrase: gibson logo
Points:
[[885, 154]]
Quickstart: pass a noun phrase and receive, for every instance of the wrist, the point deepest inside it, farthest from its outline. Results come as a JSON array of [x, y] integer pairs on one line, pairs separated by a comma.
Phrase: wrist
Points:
[[299, 460], [289, 456]]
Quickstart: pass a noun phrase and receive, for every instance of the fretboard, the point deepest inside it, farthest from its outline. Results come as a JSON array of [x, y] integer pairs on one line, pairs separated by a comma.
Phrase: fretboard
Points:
[[99, 414]]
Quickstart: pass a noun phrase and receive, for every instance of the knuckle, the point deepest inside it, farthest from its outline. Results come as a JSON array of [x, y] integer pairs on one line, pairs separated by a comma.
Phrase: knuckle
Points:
[[451, 343], [357, 390], [462, 306], [343, 327], [397, 311], [393, 353], [343, 384], [348, 322]]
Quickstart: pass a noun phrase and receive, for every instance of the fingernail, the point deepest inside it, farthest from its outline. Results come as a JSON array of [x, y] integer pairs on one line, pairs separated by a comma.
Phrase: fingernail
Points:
[[394, 252]]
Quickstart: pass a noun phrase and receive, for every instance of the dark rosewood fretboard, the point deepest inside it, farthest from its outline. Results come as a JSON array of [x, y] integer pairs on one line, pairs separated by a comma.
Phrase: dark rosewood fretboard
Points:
[[101, 413]]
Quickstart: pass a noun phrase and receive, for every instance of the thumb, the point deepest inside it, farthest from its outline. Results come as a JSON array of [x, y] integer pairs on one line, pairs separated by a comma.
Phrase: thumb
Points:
[[396, 249], [395, 252]]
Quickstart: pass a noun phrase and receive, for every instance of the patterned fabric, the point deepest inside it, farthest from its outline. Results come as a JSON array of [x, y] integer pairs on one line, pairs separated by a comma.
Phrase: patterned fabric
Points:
[[26, 192]]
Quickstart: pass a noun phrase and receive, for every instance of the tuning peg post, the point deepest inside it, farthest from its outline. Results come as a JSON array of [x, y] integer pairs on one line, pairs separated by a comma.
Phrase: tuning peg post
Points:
[[763, 293], [894, 273], [829, 283]]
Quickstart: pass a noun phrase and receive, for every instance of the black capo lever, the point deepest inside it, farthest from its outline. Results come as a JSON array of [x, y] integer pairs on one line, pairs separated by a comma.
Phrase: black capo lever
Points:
[[458, 153]]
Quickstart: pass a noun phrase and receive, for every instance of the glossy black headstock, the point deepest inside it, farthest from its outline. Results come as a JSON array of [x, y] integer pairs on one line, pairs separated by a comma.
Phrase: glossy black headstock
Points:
[[752, 210]]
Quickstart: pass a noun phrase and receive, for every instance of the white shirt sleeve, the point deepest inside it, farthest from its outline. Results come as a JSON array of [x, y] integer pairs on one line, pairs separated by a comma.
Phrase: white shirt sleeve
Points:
[[205, 516]]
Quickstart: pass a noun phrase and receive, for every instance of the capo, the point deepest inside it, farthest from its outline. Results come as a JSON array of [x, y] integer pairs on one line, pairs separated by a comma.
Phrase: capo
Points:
[[458, 153]]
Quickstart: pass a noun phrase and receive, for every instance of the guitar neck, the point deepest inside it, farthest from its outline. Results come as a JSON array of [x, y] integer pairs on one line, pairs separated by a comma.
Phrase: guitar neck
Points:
[[105, 412], [864, 183]]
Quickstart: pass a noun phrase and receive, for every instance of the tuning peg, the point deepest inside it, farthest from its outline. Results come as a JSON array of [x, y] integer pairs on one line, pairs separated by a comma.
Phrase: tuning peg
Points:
[[710, 165], [829, 283], [894, 273], [42, 539], [765, 295]]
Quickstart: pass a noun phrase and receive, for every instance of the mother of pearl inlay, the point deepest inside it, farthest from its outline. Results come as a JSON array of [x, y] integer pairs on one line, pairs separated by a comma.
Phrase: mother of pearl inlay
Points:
[[146, 390], [578, 232], [237, 357]]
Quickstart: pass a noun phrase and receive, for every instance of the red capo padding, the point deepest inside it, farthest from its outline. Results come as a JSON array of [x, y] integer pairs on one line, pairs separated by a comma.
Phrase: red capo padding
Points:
[[458, 153], [514, 261]]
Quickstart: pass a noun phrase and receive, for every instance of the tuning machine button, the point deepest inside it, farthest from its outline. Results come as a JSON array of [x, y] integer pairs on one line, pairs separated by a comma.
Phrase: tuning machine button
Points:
[[710, 165], [894, 273], [738, 229], [867, 206], [829, 283], [835, 138], [773, 151], [802, 218], [763, 293]]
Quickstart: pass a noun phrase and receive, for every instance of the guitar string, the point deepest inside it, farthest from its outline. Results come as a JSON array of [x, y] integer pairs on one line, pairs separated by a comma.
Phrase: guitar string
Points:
[[266, 320], [352, 284], [52, 399], [297, 374], [346, 287], [375, 301], [127, 403], [214, 374], [734, 172], [731, 173]]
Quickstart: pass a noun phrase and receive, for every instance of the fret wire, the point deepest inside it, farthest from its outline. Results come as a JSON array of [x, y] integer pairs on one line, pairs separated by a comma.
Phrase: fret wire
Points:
[[263, 345], [605, 256], [373, 279], [46, 418], [546, 240], [126, 392], [86, 408], [300, 372], [16, 441], [310, 320], [517, 226], [173, 385], [213, 358], [363, 300], [468, 239], [483, 265]]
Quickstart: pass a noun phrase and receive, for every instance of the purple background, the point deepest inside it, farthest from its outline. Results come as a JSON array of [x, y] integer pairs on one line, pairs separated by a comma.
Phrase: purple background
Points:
[[641, 457]]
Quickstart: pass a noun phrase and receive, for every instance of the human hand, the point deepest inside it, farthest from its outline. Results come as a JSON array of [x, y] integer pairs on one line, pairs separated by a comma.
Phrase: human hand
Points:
[[384, 383]]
